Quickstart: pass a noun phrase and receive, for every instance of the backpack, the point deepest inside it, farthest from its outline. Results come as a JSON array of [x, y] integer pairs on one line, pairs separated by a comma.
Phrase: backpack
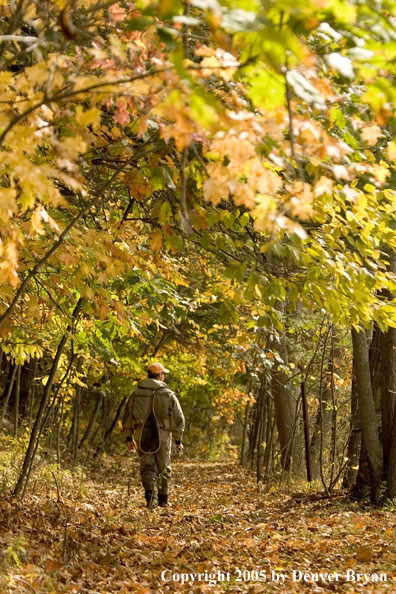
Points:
[[149, 442]]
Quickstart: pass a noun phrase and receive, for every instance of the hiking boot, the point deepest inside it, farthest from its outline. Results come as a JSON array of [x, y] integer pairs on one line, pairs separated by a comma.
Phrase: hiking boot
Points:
[[150, 498], [162, 500]]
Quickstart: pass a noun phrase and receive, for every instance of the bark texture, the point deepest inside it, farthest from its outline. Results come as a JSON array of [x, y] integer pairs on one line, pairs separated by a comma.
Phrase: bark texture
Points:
[[322, 421], [367, 412], [287, 421]]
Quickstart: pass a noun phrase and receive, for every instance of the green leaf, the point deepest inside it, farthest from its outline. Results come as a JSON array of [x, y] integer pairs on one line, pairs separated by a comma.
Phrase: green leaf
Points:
[[240, 272], [338, 117], [244, 220], [225, 318], [138, 24], [229, 220], [165, 212], [267, 89], [205, 241], [351, 140]]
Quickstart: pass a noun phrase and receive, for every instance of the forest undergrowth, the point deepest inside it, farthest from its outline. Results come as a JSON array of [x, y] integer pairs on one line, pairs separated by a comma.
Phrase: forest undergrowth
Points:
[[88, 531]]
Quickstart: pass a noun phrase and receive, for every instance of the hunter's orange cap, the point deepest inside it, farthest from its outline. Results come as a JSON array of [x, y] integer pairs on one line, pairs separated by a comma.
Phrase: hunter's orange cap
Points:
[[157, 368]]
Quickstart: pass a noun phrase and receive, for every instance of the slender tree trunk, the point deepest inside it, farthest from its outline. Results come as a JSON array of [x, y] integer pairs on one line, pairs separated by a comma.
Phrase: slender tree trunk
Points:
[[92, 420], [388, 397], [106, 410], [322, 422], [375, 366], [367, 412], [10, 374], [16, 405], [355, 438], [44, 402], [391, 475], [8, 393], [269, 433], [26, 380], [109, 432], [75, 429], [244, 434], [58, 435], [306, 432], [290, 437], [388, 390], [261, 413], [32, 394], [254, 431], [268, 456], [49, 432]]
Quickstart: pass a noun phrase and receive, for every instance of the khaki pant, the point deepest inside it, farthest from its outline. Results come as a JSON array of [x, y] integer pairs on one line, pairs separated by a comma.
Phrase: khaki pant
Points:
[[153, 466]]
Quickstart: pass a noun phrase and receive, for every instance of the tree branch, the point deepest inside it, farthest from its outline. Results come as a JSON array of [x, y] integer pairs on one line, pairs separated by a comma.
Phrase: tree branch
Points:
[[53, 249]]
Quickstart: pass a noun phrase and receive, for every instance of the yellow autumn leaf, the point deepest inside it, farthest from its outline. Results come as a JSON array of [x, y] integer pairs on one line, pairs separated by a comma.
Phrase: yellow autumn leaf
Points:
[[300, 204], [156, 240], [87, 292], [242, 194], [89, 117], [36, 225], [371, 134], [391, 151], [262, 179], [140, 87], [8, 205], [74, 146], [214, 191], [238, 152], [37, 73], [6, 78], [9, 265], [264, 210], [381, 172], [8, 274], [324, 186], [32, 307]]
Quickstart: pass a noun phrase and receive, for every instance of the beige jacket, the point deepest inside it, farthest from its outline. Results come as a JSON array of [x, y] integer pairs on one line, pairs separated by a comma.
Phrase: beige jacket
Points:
[[167, 408]]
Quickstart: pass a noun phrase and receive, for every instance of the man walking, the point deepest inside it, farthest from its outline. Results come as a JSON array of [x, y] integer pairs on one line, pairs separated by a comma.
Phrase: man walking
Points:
[[153, 412]]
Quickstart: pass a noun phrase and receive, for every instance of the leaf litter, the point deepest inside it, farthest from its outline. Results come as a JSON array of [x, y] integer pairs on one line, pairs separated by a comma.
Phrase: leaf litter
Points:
[[94, 535]]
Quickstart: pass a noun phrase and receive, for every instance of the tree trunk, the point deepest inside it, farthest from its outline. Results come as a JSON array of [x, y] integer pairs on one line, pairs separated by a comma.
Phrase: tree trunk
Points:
[[106, 410], [92, 420], [287, 422], [32, 394], [355, 438], [388, 390], [323, 420], [254, 430], [75, 428], [109, 432], [367, 413], [261, 414], [7, 392], [268, 455], [37, 427], [244, 434], [16, 404], [388, 396]]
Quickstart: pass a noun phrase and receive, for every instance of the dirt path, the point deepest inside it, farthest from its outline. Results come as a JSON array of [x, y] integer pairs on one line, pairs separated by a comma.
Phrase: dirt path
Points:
[[86, 534]]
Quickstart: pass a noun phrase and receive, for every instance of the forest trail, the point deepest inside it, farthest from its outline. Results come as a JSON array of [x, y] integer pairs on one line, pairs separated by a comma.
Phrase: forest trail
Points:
[[92, 534]]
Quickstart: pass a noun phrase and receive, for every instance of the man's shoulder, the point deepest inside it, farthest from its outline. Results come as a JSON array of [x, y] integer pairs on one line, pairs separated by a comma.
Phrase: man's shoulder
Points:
[[153, 384]]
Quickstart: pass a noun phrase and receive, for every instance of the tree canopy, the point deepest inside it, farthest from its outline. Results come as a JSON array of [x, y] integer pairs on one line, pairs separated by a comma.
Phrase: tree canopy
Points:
[[191, 180]]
